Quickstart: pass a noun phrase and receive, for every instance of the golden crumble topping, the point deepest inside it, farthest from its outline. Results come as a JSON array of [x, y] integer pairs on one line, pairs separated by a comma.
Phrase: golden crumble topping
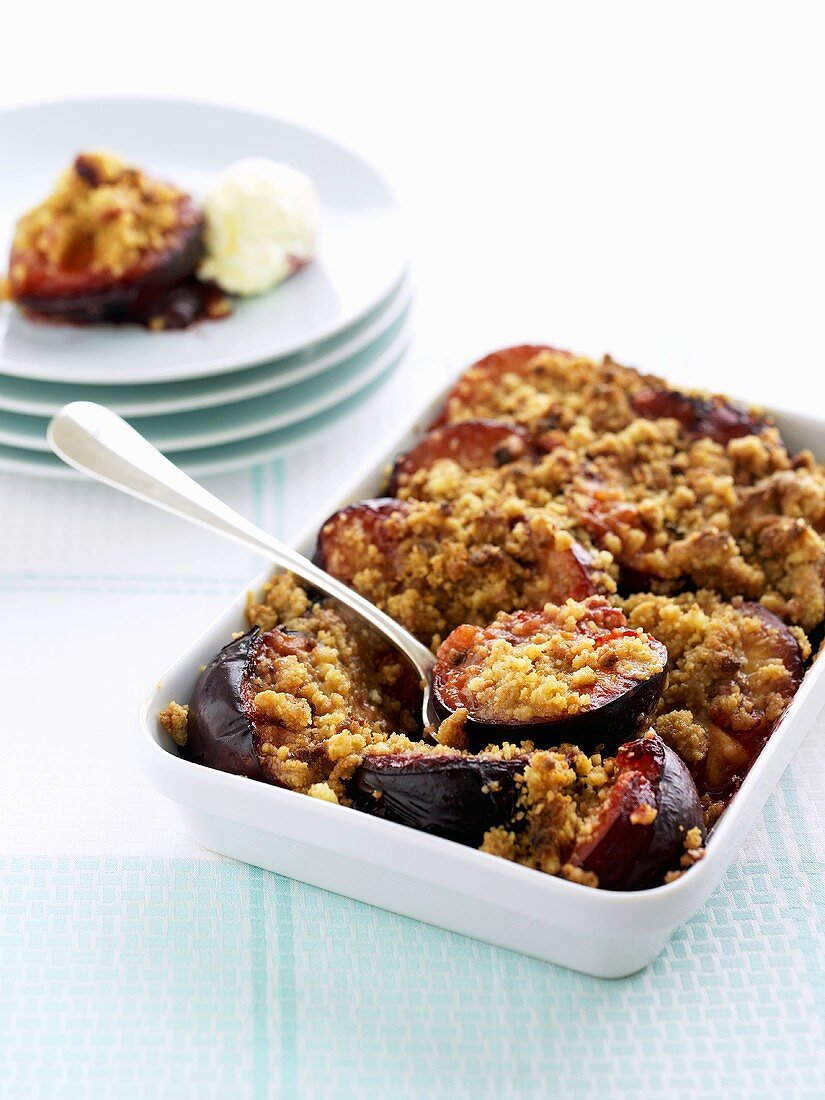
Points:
[[672, 508], [706, 515], [284, 602], [549, 392], [560, 794], [324, 792], [452, 731], [320, 691], [694, 852], [104, 216]]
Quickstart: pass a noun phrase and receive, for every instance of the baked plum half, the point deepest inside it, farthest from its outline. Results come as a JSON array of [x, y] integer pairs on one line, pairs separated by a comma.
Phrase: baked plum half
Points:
[[574, 673], [110, 244], [433, 565], [641, 829], [744, 708], [610, 519], [666, 557], [700, 416], [445, 793], [378, 523], [462, 397], [471, 444], [734, 669], [289, 706]]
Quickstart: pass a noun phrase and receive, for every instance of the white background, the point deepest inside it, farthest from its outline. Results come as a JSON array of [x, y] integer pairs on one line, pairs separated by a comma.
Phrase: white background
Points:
[[644, 179]]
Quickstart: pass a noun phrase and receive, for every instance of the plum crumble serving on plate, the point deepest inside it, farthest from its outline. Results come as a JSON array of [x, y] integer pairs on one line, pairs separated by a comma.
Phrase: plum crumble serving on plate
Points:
[[618, 580], [112, 244]]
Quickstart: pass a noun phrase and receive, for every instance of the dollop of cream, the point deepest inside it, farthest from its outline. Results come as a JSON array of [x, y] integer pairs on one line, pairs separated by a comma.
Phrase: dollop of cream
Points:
[[261, 226]]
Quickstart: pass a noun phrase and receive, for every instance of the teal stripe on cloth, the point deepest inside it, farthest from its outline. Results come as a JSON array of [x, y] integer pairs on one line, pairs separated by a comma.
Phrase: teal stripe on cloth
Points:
[[259, 979], [287, 999], [257, 475], [278, 494], [156, 975]]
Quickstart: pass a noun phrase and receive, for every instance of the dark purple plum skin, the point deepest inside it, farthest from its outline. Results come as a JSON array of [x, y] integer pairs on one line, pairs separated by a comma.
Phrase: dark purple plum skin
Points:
[[609, 725], [627, 856], [442, 794], [220, 734]]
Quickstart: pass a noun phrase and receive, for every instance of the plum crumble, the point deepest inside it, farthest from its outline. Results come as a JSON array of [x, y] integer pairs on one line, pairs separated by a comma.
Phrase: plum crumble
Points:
[[616, 578], [577, 670], [111, 243]]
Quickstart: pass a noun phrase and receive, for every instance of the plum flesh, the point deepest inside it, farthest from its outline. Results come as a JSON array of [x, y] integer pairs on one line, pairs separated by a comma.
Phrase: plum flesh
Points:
[[445, 794], [620, 701], [472, 444], [372, 518], [169, 298], [639, 832]]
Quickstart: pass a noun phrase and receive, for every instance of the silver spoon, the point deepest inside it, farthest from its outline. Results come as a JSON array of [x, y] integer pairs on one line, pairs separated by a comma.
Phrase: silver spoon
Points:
[[98, 442]]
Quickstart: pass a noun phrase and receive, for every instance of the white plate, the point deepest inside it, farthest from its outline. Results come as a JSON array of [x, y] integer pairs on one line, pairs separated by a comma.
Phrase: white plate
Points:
[[35, 398], [361, 258], [243, 419], [606, 933], [215, 460]]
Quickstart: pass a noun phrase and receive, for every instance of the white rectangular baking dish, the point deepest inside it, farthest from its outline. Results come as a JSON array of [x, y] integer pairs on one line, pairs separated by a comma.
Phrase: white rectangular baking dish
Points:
[[605, 934]]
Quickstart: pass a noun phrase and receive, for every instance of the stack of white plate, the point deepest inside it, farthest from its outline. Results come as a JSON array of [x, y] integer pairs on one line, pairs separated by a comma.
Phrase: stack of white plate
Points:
[[228, 393]]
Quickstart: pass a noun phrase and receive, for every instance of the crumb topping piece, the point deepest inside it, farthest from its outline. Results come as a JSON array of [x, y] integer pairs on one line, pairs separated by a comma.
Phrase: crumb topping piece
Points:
[[173, 719]]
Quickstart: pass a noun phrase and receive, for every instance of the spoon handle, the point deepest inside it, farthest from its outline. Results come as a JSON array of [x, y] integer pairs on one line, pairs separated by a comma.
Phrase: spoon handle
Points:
[[98, 442]]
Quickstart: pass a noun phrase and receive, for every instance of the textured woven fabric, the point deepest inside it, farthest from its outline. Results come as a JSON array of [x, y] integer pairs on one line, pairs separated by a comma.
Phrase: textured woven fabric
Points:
[[134, 964]]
